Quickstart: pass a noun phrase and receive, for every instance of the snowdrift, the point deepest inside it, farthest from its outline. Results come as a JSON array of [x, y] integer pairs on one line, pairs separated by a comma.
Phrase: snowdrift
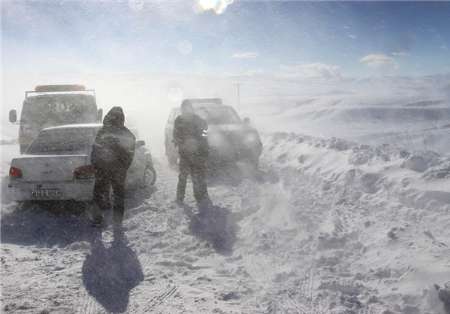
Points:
[[382, 242], [420, 179]]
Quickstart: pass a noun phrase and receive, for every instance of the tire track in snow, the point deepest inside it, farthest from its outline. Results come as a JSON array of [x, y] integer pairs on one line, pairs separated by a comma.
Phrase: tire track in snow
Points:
[[159, 299]]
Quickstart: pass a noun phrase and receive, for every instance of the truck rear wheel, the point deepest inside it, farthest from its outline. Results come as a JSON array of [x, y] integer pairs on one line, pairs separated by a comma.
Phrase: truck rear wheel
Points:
[[149, 177]]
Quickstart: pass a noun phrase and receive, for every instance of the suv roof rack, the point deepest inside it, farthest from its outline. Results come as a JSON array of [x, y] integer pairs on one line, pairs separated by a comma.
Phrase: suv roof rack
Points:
[[59, 88]]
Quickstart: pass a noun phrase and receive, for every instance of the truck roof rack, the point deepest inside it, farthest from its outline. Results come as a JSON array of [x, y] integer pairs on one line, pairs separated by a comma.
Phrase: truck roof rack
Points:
[[205, 101], [60, 88]]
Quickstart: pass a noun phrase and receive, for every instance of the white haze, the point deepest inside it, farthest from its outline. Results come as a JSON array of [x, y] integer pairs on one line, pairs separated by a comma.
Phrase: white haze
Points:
[[367, 108]]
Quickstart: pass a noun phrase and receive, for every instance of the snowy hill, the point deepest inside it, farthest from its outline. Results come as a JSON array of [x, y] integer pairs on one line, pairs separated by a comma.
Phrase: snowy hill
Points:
[[412, 113]]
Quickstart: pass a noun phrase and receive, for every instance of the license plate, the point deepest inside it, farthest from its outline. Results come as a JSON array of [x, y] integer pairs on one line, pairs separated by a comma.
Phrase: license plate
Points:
[[45, 193]]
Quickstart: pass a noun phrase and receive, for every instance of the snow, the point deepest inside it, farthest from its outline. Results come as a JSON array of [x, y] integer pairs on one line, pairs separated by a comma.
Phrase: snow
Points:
[[412, 113], [350, 215], [414, 176], [346, 227]]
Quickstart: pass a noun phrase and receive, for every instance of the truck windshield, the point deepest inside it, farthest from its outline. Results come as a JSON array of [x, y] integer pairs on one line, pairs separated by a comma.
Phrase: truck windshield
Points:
[[51, 110], [63, 141], [218, 115]]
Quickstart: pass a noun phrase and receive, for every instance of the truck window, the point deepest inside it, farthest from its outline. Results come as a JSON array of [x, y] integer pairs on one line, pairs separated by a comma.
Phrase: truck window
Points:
[[50, 110], [63, 141]]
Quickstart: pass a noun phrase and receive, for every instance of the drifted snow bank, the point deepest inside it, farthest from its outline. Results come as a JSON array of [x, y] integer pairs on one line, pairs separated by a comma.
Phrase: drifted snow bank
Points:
[[385, 244], [418, 179]]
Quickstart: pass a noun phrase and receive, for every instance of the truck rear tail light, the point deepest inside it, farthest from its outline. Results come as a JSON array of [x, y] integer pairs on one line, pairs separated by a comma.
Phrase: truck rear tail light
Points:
[[84, 172], [15, 172]]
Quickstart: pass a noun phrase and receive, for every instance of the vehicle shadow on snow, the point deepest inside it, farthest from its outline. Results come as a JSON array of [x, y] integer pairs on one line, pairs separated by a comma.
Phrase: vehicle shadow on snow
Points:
[[5, 195], [45, 225], [110, 273], [216, 225], [48, 224]]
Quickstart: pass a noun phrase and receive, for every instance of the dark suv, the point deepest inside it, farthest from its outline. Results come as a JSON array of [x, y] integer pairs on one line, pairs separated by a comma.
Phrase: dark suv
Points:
[[230, 139]]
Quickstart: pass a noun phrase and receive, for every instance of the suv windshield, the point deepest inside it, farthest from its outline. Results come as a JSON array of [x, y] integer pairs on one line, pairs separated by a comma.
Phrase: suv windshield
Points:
[[218, 115], [50, 110], [63, 141]]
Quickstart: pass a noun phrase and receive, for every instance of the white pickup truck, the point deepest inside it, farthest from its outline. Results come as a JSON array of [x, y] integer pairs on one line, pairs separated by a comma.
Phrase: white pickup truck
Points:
[[56, 166], [52, 105]]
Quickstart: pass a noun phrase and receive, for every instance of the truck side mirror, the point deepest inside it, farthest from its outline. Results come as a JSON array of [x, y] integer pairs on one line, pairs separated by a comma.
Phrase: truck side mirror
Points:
[[13, 116], [247, 121], [140, 144], [99, 115]]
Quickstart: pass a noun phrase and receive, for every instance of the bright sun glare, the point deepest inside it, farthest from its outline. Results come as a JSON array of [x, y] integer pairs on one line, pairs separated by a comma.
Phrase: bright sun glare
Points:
[[218, 6]]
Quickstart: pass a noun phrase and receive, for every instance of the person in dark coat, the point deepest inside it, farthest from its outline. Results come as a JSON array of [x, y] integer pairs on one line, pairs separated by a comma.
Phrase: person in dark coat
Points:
[[190, 136], [112, 154]]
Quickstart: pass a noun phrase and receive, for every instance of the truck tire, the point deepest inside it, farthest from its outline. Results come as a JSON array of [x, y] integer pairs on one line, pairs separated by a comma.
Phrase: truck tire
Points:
[[149, 177]]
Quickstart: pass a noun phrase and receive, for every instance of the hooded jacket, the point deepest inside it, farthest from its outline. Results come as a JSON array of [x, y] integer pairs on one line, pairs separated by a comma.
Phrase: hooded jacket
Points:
[[114, 144], [190, 135]]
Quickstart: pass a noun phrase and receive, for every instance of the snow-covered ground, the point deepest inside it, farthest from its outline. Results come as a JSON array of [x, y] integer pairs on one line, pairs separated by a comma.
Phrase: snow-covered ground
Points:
[[347, 228], [352, 216]]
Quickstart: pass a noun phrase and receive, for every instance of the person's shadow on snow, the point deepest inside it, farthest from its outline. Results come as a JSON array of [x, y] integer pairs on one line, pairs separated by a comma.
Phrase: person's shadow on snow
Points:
[[216, 225], [109, 274]]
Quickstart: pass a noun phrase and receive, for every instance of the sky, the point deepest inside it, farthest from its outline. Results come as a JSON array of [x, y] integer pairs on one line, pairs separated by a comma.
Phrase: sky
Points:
[[148, 55], [225, 37]]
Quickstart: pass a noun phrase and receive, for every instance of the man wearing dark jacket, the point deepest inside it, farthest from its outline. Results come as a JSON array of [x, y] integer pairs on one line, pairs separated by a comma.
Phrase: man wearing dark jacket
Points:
[[190, 135], [112, 154]]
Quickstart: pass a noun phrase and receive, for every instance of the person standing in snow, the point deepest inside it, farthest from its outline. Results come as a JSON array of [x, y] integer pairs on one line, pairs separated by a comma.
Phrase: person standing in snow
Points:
[[112, 154], [190, 136]]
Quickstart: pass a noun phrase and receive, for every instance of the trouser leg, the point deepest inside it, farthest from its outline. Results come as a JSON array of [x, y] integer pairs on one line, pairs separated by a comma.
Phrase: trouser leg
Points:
[[182, 178], [101, 189], [199, 181], [118, 186]]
